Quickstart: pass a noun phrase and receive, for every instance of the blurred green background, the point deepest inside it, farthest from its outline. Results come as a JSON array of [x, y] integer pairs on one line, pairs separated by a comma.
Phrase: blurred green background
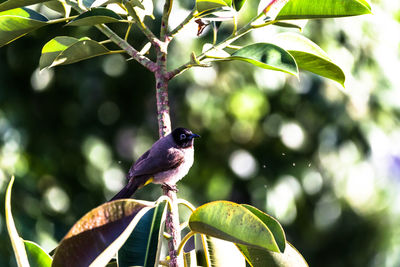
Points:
[[322, 159]]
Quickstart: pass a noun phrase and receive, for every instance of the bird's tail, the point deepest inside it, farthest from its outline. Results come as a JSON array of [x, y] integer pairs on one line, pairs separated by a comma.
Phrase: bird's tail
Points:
[[133, 184], [127, 191]]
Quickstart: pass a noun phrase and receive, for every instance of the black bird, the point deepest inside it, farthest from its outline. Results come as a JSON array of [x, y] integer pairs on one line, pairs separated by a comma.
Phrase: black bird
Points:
[[166, 162]]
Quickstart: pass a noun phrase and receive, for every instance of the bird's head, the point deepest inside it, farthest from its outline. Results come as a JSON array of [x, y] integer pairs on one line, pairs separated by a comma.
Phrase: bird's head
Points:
[[183, 137]]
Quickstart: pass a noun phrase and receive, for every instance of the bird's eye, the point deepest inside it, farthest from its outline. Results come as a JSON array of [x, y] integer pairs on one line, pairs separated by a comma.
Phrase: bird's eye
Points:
[[182, 136]]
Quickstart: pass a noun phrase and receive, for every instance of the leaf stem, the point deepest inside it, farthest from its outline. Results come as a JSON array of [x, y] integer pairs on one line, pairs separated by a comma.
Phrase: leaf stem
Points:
[[128, 31], [187, 204], [54, 21], [116, 52]]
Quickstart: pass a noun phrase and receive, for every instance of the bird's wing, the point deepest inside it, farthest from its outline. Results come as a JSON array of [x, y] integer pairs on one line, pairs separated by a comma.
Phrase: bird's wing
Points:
[[157, 162]]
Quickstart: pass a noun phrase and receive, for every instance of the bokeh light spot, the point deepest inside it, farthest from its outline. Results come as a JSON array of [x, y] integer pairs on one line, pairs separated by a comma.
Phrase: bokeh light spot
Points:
[[243, 164], [292, 135], [327, 211], [97, 152], [281, 199], [56, 199], [114, 179], [312, 182], [41, 79], [114, 65]]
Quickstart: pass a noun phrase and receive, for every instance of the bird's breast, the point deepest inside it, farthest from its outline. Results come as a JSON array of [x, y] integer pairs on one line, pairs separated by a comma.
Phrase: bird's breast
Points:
[[174, 175]]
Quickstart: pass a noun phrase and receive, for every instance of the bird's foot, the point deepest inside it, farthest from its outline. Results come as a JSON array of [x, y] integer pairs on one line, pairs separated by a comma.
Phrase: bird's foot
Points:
[[169, 187]]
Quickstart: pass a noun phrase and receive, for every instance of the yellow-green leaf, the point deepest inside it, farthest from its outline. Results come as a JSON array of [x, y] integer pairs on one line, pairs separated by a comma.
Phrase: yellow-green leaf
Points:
[[232, 222], [267, 56], [11, 4], [261, 258], [309, 56], [308, 9], [36, 255], [65, 50], [17, 22]]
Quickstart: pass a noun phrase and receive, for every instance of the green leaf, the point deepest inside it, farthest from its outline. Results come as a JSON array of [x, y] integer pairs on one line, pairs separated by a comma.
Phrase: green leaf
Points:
[[95, 16], [205, 5], [232, 222], [98, 235], [36, 255], [86, 3], [155, 235], [308, 9], [11, 4], [53, 48], [273, 225], [261, 258], [143, 246], [224, 253], [65, 50], [59, 6], [238, 4], [218, 14], [297, 24], [16, 241], [267, 56], [17, 22], [309, 56]]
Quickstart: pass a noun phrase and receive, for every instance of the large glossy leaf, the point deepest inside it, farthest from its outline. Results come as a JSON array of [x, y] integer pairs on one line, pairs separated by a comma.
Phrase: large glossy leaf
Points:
[[232, 222], [65, 50], [11, 4], [98, 235], [16, 241], [272, 224], [36, 255], [261, 258], [267, 56], [309, 56], [223, 253], [307, 9], [17, 22], [143, 246], [95, 16]]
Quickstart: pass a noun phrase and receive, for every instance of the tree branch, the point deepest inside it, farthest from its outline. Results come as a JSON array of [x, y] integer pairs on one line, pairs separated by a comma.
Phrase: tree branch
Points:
[[150, 65], [165, 19]]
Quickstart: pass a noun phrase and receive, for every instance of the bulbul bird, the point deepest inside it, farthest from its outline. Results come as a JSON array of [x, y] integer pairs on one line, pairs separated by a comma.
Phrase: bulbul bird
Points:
[[166, 162]]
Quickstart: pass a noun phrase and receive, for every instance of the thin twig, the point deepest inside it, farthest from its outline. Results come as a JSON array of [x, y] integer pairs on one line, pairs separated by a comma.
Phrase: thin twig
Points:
[[221, 45], [178, 28], [165, 19], [146, 31]]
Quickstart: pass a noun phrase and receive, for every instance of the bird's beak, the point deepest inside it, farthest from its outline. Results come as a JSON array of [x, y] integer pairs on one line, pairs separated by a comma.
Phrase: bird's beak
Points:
[[193, 135]]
